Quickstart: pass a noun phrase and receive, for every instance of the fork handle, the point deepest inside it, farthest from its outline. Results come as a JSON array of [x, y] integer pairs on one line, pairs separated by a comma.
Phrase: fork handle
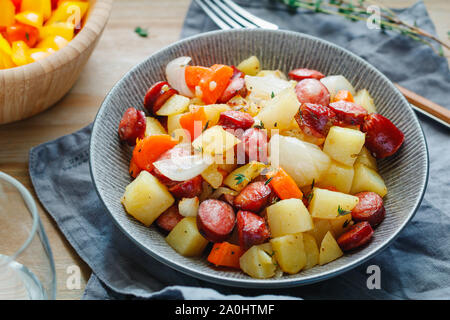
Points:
[[425, 104]]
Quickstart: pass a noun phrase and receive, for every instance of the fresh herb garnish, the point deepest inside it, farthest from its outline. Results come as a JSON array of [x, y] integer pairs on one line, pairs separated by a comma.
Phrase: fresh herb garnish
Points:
[[342, 212], [346, 223], [268, 181], [141, 32], [259, 125], [272, 95], [239, 177], [27, 35], [206, 126]]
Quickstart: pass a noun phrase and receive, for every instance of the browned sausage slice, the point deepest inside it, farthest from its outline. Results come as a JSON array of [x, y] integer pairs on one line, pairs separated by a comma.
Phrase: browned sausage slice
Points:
[[252, 229], [187, 189], [358, 235], [215, 220], [370, 208], [169, 218], [132, 126], [235, 120], [300, 74], [312, 91], [253, 197]]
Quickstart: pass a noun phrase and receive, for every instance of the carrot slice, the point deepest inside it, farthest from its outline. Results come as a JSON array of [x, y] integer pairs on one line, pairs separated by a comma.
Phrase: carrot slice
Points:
[[193, 75], [134, 169], [226, 255], [194, 122], [343, 95], [212, 87], [283, 185], [150, 148]]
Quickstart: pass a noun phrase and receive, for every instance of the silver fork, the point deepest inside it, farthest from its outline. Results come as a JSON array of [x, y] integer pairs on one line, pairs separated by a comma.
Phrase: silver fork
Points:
[[228, 15]]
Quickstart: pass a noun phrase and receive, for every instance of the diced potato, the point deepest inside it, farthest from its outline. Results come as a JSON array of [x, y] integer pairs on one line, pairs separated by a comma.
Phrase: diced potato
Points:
[[186, 239], [325, 203], [188, 207], [146, 198], [364, 99], [228, 167], [213, 112], [339, 176], [181, 135], [289, 252], [279, 111], [343, 144], [335, 83], [329, 250], [366, 179], [173, 123], [275, 73], [311, 250], [299, 134], [250, 66], [176, 104], [153, 126], [215, 141], [341, 224], [240, 177], [366, 159], [257, 263], [321, 227], [213, 176], [288, 217]]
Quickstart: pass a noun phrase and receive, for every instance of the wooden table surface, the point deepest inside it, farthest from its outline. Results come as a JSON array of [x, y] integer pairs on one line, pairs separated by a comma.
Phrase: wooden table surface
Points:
[[118, 50]]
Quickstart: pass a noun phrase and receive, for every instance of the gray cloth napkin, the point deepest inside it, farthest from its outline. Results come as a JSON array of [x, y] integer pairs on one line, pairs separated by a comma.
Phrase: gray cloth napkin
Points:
[[415, 266]]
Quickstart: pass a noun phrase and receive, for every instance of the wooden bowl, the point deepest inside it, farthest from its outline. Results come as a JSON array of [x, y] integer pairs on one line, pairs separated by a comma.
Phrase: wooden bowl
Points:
[[32, 88]]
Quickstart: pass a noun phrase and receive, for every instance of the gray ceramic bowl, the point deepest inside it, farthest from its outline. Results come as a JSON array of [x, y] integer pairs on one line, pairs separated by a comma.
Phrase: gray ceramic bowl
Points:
[[405, 173]]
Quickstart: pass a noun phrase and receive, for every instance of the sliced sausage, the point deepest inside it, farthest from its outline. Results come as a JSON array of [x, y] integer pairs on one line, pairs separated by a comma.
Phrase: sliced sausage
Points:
[[254, 197], [132, 126], [370, 208], [252, 229], [348, 112], [188, 189], [169, 218], [300, 74], [235, 120], [215, 220], [383, 138], [312, 91], [358, 235], [254, 141], [228, 198], [235, 87], [315, 119], [157, 95]]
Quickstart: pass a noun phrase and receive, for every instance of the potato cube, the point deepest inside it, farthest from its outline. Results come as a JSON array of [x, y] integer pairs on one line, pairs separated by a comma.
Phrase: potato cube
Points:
[[288, 217], [257, 263], [289, 252], [321, 227], [146, 198], [325, 203], [240, 177], [153, 126], [213, 176], [366, 179], [186, 239], [311, 251], [215, 141], [329, 250], [213, 112], [366, 159], [364, 99], [176, 104], [339, 176], [188, 207], [173, 123], [250, 66], [343, 144], [276, 73], [341, 225]]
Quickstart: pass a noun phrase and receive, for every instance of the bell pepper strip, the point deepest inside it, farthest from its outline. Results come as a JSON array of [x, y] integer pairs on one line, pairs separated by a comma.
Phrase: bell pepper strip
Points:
[[150, 148], [134, 169], [193, 75], [194, 122], [17, 4], [30, 18], [225, 255], [22, 32], [7, 12], [343, 95], [42, 7], [283, 185], [213, 86], [20, 53]]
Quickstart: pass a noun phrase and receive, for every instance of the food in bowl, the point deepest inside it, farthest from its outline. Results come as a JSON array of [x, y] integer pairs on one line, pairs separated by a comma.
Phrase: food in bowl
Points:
[[31, 30], [279, 173]]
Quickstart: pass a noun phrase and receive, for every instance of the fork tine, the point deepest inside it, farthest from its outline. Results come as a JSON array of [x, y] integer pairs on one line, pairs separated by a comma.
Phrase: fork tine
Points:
[[234, 15], [217, 20], [250, 17], [222, 14]]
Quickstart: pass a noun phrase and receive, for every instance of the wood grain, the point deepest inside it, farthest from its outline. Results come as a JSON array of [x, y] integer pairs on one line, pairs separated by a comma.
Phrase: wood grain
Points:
[[118, 50]]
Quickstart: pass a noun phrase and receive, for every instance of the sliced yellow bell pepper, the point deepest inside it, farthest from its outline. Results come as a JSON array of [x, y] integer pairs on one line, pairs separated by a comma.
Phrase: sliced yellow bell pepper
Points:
[[70, 11], [38, 54], [4, 45], [20, 53], [42, 7], [6, 61], [7, 11], [31, 18], [63, 29], [52, 42]]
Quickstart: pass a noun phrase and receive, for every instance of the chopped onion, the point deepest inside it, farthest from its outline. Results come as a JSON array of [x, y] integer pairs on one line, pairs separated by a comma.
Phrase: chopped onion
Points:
[[222, 190], [175, 74], [184, 167], [336, 83]]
